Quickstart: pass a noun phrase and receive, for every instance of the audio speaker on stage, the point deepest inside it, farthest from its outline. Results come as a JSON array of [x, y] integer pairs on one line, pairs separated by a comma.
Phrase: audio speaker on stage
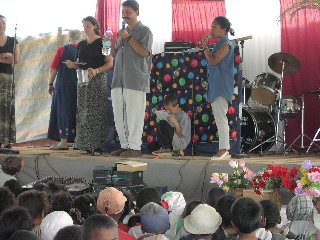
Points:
[[108, 176], [177, 46]]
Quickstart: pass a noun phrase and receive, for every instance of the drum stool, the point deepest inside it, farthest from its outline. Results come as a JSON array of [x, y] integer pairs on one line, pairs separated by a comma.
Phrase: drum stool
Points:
[[315, 139]]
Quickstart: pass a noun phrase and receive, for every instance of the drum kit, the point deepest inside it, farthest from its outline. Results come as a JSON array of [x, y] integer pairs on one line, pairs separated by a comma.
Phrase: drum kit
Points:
[[260, 124]]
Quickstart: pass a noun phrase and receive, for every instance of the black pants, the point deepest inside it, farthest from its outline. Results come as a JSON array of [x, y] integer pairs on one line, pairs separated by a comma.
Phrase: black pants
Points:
[[165, 134]]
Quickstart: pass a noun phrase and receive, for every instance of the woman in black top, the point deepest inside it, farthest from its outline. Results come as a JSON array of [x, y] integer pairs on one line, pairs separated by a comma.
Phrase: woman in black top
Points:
[[9, 55], [92, 97]]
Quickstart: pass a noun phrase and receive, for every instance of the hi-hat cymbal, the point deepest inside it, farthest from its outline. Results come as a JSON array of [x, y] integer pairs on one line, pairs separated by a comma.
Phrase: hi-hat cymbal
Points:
[[291, 63]]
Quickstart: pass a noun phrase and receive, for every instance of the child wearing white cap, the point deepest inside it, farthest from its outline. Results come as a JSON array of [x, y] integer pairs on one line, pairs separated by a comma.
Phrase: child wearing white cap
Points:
[[203, 221]]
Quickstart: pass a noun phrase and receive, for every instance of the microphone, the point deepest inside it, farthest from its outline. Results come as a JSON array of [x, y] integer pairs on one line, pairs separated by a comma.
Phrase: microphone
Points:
[[123, 25], [207, 37]]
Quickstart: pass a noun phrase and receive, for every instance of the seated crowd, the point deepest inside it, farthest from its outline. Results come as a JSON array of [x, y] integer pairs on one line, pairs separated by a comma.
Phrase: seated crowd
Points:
[[50, 212]]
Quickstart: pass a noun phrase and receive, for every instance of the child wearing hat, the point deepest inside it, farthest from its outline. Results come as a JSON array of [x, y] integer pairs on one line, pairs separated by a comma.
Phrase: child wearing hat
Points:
[[203, 221], [154, 222], [111, 202], [175, 204]]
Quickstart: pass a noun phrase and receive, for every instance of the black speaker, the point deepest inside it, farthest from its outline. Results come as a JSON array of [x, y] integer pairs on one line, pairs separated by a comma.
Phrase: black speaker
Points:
[[108, 176]]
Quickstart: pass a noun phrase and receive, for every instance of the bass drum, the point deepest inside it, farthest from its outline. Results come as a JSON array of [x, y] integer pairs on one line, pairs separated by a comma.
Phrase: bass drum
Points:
[[257, 126]]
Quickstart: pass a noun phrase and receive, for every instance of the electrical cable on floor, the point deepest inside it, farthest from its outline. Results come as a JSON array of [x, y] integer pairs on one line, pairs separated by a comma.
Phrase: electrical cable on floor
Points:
[[180, 174], [36, 165], [51, 166], [204, 170], [192, 142]]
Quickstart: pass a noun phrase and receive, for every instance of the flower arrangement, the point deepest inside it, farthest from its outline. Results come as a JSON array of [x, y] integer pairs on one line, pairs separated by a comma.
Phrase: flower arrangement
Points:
[[238, 179], [309, 184], [274, 176]]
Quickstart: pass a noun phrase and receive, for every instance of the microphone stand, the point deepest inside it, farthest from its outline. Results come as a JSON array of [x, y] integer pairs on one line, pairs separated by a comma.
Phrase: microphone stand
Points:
[[242, 154], [8, 149]]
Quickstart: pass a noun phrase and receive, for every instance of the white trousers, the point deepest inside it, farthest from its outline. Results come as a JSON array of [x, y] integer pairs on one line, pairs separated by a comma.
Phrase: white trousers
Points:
[[219, 110], [129, 110]]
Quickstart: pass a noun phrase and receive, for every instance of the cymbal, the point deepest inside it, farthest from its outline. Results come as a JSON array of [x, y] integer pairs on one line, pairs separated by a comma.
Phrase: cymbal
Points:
[[291, 63]]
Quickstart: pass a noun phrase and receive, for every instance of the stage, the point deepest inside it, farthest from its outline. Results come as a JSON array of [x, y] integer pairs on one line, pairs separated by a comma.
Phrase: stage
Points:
[[189, 174]]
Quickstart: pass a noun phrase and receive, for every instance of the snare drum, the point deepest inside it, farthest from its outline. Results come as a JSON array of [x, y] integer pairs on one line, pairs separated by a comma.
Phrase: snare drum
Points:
[[265, 88], [257, 126], [289, 107], [83, 77]]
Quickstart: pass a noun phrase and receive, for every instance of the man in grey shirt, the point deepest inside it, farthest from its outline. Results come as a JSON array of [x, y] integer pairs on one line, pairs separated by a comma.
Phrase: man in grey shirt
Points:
[[130, 83]]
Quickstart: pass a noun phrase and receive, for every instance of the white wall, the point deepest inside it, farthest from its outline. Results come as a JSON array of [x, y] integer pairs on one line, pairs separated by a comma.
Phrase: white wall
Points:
[[259, 19]]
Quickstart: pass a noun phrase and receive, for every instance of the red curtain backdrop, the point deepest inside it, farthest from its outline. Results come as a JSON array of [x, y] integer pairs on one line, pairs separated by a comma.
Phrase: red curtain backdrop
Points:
[[301, 38], [108, 15], [191, 19]]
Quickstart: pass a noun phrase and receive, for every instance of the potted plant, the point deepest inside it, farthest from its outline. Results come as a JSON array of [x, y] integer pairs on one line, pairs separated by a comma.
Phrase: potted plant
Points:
[[309, 183], [237, 180]]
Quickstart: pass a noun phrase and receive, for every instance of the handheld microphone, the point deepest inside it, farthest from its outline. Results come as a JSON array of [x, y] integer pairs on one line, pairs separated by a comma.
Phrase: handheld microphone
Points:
[[123, 25], [207, 37]]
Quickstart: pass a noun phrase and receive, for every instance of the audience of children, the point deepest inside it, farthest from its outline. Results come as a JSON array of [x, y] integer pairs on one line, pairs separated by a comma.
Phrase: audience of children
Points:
[[6, 199], [155, 222], [111, 202], [69, 233], [51, 213], [10, 168], [53, 222], [14, 186], [214, 195], [180, 229], [175, 204], [300, 213], [246, 218], [14, 219], [226, 230], [100, 226], [23, 235], [203, 221], [272, 219]]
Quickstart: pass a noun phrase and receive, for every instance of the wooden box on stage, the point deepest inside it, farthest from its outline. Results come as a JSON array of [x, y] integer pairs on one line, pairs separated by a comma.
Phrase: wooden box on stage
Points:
[[131, 166]]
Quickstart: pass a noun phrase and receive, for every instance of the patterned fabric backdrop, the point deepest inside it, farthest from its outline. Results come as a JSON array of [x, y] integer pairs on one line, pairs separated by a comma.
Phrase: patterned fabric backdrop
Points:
[[184, 74]]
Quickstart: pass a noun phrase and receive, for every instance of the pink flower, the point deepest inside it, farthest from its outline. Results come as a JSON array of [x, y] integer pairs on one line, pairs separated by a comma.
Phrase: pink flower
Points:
[[242, 164], [314, 176], [312, 192], [220, 182], [225, 179], [250, 175], [299, 184], [215, 179]]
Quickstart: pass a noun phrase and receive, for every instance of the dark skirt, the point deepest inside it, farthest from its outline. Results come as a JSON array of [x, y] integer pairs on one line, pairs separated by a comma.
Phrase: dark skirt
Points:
[[91, 113], [62, 122], [5, 102]]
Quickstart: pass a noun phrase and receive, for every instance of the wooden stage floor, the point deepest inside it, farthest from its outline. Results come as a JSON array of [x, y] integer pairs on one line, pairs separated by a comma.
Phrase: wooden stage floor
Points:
[[189, 174], [267, 157]]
